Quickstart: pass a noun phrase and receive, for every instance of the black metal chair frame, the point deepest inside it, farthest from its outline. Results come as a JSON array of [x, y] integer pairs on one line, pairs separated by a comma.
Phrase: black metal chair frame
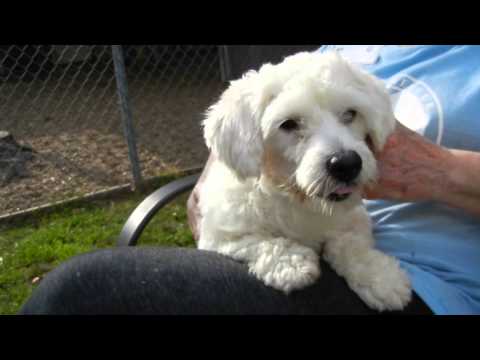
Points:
[[144, 212]]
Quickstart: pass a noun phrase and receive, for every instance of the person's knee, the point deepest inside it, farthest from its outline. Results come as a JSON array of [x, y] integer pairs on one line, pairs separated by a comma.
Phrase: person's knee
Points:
[[65, 285]]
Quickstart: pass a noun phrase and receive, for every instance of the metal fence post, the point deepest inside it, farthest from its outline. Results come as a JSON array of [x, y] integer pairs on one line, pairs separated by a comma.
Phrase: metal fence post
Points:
[[122, 89]]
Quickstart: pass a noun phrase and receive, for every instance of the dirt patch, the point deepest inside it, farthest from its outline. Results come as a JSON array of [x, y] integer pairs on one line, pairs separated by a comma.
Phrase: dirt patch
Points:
[[92, 161], [73, 158], [71, 120]]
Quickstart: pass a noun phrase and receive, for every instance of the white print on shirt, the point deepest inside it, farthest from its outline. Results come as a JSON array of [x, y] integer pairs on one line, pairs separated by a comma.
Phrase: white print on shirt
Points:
[[416, 105]]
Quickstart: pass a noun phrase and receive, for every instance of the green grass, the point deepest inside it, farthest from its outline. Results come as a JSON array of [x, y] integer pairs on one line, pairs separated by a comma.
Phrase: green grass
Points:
[[31, 249]]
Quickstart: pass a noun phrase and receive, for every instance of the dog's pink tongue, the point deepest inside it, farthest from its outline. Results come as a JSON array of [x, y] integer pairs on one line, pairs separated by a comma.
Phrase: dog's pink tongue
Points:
[[344, 190]]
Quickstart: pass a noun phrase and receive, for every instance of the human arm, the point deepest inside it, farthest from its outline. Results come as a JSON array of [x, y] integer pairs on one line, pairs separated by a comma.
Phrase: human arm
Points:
[[411, 168]]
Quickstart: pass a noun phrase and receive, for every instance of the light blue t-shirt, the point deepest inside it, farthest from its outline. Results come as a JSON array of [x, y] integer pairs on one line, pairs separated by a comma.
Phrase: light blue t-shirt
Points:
[[436, 92]]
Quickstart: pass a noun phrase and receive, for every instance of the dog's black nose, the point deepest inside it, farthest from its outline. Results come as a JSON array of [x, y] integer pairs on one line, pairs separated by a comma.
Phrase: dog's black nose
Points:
[[344, 165]]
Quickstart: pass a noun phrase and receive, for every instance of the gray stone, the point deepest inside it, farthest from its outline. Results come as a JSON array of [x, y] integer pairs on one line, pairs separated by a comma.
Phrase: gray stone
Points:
[[13, 158]]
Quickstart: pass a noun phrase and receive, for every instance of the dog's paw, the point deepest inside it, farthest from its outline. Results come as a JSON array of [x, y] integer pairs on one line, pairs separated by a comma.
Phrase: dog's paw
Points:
[[385, 287], [287, 268]]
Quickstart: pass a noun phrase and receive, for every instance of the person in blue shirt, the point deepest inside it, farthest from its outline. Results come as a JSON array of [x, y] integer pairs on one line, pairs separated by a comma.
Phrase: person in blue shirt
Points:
[[425, 211]]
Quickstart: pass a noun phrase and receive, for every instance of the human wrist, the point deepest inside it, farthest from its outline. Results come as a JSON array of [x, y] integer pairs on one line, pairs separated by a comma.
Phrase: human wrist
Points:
[[465, 167], [462, 176], [441, 181]]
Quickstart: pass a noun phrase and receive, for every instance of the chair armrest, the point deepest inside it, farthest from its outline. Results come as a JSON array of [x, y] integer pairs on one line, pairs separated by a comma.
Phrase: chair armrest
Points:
[[144, 212]]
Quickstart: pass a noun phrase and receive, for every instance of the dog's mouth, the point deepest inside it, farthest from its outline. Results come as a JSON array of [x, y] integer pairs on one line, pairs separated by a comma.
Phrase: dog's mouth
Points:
[[342, 192]]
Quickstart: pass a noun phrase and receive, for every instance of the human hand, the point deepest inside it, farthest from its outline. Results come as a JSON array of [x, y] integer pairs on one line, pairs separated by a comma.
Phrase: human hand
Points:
[[410, 168]]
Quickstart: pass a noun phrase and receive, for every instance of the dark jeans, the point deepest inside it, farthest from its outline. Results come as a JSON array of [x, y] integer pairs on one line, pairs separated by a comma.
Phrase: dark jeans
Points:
[[153, 280]]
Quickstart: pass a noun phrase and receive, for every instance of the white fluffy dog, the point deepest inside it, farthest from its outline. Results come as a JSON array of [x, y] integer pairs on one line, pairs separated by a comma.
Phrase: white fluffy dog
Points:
[[294, 144]]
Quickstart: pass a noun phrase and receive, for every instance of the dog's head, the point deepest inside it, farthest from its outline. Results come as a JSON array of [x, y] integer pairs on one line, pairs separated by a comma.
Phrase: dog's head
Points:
[[309, 124]]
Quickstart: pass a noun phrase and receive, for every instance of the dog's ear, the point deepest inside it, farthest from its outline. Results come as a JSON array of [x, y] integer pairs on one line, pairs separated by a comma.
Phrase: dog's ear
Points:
[[232, 128], [380, 120], [381, 124]]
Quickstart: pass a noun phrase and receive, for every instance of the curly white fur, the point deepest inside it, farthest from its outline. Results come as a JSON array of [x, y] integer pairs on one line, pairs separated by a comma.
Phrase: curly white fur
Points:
[[266, 198]]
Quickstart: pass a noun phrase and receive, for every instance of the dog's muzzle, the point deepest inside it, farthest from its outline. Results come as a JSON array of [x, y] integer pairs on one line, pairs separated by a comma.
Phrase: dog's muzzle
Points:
[[344, 167]]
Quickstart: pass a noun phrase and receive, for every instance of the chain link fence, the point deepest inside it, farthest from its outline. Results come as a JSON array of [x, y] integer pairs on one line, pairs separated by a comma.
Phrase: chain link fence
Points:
[[61, 132]]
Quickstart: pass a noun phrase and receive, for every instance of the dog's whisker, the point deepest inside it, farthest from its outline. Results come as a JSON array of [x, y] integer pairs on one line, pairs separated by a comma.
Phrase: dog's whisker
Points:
[[285, 186], [315, 187], [314, 191], [318, 189], [308, 190], [311, 188], [323, 189], [289, 183], [324, 206], [328, 209], [288, 186], [329, 186]]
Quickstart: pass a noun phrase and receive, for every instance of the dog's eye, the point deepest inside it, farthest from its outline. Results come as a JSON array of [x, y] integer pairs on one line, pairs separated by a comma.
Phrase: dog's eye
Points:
[[348, 116], [289, 125]]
